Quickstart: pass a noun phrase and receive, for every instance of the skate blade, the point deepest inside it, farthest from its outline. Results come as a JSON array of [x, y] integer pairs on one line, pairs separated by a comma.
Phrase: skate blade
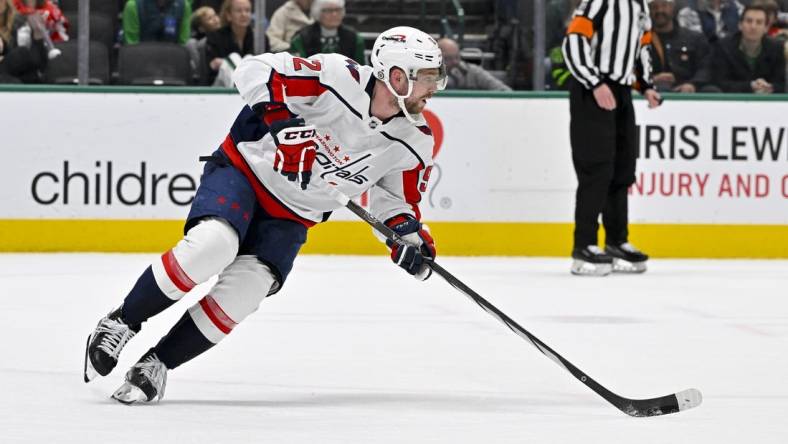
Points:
[[583, 268], [89, 372], [129, 394], [622, 266]]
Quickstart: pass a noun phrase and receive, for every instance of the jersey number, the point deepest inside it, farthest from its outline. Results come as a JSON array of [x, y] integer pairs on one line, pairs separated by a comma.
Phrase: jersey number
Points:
[[424, 179], [313, 65]]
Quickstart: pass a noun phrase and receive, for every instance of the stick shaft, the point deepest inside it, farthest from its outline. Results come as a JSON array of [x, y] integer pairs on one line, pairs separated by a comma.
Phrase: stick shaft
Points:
[[633, 407]]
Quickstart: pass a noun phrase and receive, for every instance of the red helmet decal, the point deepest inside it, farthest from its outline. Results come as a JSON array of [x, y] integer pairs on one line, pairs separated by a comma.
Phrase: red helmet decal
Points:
[[394, 38]]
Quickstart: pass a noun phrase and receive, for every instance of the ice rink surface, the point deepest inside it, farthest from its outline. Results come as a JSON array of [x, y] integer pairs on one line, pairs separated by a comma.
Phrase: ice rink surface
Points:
[[354, 351]]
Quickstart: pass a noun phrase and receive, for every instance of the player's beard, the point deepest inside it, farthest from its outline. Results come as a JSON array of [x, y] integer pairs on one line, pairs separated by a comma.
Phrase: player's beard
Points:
[[416, 105]]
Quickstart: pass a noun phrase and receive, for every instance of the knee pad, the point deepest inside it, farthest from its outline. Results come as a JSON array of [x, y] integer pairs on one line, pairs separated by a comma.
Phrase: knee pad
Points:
[[237, 294], [206, 250]]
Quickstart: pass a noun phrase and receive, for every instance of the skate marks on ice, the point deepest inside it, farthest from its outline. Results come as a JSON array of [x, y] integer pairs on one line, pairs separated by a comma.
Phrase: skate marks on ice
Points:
[[763, 326]]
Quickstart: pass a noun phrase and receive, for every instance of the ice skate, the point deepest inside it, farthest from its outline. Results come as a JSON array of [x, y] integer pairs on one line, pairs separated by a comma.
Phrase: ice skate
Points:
[[105, 344], [591, 261], [627, 258], [145, 381]]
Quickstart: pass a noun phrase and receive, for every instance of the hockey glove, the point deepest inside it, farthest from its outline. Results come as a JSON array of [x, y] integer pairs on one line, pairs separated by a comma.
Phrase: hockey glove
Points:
[[415, 248], [295, 149]]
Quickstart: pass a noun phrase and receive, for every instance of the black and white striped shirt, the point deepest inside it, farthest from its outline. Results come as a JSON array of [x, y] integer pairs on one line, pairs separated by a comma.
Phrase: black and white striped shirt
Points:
[[609, 39]]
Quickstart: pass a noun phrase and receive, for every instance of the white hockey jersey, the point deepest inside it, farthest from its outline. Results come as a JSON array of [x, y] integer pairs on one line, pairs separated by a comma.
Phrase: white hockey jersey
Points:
[[356, 152]]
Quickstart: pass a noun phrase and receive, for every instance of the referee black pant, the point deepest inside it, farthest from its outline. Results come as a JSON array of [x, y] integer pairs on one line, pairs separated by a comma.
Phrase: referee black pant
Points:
[[604, 150]]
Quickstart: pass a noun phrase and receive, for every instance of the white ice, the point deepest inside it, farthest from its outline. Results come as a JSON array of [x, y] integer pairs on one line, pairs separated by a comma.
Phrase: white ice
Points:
[[354, 351]]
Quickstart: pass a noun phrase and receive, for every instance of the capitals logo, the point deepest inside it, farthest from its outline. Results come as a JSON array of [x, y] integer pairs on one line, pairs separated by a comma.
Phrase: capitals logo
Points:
[[394, 38], [352, 172]]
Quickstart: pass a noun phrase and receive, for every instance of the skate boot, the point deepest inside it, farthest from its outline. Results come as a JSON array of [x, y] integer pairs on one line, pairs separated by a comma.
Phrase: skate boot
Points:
[[105, 343], [591, 261], [145, 381], [627, 258]]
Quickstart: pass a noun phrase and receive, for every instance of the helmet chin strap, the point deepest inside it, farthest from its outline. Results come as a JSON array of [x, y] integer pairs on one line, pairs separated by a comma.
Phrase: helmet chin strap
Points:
[[401, 99], [408, 115]]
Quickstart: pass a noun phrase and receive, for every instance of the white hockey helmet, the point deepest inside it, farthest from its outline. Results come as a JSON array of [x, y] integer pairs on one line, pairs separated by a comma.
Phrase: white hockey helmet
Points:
[[410, 50]]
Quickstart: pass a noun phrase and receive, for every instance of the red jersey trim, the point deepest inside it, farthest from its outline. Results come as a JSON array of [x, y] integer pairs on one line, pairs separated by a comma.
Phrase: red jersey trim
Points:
[[281, 86], [268, 201], [410, 188]]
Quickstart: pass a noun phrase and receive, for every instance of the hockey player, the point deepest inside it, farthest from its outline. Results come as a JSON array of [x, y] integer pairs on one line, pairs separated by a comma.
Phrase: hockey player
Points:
[[309, 124]]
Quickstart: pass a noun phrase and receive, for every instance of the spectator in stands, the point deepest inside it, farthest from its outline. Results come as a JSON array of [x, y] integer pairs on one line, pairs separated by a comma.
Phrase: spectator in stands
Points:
[[749, 61], [22, 51], [680, 57], [7, 39], [464, 75], [48, 15], [204, 21], [716, 19], [236, 36], [7, 21], [558, 78], [327, 34], [157, 21], [286, 21], [776, 27]]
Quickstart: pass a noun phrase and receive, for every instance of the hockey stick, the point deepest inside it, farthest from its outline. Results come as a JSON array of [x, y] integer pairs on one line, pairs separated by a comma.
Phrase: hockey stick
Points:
[[663, 405]]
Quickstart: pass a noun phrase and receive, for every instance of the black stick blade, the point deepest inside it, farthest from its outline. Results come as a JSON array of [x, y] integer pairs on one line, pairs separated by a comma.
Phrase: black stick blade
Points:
[[677, 402]]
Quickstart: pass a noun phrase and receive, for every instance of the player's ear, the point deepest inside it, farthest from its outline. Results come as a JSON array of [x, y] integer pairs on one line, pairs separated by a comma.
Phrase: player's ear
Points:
[[397, 77]]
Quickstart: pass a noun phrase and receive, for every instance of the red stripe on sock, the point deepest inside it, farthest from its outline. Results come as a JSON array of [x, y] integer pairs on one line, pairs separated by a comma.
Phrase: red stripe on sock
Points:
[[176, 273], [215, 313]]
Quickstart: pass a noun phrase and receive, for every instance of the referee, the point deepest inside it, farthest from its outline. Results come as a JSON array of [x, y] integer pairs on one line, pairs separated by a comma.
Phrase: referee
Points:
[[606, 50]]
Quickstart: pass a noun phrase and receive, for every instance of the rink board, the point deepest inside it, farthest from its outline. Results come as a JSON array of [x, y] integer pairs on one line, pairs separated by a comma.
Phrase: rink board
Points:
[[116, 171]]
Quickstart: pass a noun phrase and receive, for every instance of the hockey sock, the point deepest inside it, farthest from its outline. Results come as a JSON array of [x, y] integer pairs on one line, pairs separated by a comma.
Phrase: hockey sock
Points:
[[144, 300], [183, 343]]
